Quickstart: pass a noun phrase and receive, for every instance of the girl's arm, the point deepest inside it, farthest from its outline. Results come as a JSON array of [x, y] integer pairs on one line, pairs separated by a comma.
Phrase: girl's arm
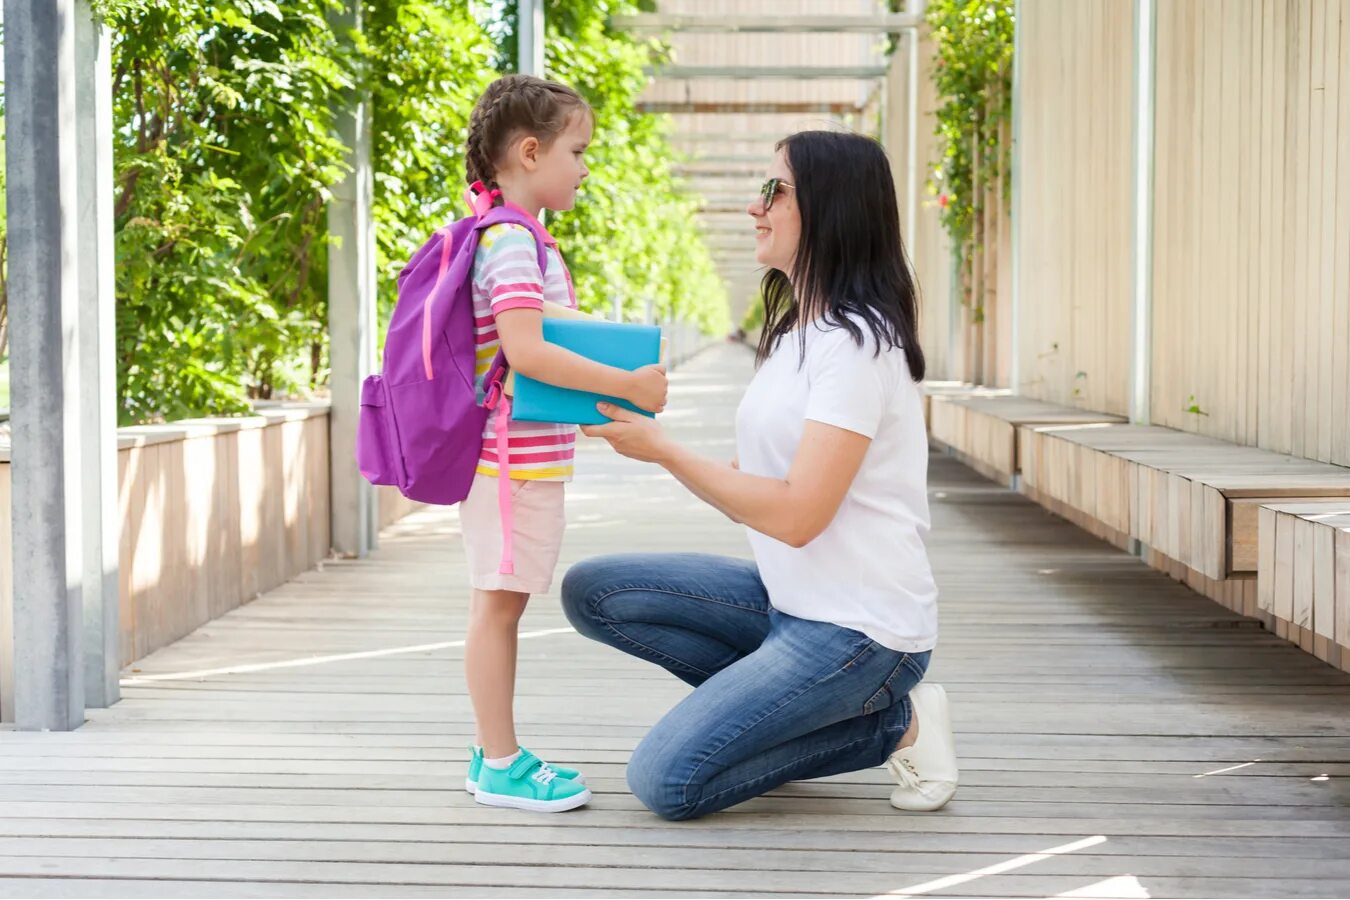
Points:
[[522, 335], [794, 510]]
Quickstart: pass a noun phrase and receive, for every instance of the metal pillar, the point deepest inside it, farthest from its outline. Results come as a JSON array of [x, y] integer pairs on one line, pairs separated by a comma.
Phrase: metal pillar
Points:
[[531, 43], [352, 326], [97, 365], [44, 281], [1141, 318]]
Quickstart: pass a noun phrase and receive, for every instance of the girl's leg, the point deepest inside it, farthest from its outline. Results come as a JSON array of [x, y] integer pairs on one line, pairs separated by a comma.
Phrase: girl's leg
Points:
[[815, 699], [691, 613], [490, 667]]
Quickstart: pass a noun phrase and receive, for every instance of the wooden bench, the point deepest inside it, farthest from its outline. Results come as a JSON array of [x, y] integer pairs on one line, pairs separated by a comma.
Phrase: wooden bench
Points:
[[1191, 503], [1188, 505], [1303, 575], [979, 427]]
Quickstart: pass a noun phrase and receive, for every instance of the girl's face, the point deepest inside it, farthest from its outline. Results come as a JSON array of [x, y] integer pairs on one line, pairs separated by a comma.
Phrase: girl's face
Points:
[[778, 228], [560, 169]]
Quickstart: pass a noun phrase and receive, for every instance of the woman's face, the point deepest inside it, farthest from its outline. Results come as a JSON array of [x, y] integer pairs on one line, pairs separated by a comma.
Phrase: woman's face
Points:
[[779, 228]]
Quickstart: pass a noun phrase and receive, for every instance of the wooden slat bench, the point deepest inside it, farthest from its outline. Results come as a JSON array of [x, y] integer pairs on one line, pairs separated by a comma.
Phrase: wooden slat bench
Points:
[[931, 389], [979, 427], [1190, 506], [1303, 575], [1192, 503]]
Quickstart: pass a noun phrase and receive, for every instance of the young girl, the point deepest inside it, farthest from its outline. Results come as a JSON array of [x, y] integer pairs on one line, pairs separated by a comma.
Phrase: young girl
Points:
[[526, 140]]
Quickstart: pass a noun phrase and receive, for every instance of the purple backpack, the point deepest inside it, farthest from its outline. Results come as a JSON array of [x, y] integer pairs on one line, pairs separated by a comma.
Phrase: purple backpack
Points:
[[422, 419]]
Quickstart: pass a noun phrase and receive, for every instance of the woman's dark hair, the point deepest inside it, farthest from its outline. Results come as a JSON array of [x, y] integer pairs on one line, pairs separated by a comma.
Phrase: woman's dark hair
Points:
[[511, 107], [851, 265]]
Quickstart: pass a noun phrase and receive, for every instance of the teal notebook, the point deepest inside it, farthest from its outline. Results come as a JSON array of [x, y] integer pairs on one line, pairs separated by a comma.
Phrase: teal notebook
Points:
[[618, 344]]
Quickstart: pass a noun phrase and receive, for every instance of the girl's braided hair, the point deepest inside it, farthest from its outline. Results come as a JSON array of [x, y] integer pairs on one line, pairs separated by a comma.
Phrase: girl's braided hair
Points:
[[515, 106]]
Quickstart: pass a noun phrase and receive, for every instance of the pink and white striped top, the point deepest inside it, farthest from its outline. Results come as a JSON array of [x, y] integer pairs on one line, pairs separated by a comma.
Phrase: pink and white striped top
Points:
[[506, 276]]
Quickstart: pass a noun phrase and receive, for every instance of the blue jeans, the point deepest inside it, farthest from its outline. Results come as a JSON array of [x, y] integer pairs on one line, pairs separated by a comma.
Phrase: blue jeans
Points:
[[777, 698]]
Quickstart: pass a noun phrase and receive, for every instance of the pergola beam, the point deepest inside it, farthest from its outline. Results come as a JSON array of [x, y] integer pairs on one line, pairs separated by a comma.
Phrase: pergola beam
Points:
[[882, 24], [731, 159], [767, 72], [722, 137], [751, 107]]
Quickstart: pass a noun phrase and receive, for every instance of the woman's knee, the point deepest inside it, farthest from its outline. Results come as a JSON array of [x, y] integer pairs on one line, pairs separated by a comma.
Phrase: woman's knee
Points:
[[655, 776], [582, 587]]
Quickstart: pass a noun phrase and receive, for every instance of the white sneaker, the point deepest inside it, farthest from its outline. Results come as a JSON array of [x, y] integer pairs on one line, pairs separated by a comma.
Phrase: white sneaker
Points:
[[926, 771]]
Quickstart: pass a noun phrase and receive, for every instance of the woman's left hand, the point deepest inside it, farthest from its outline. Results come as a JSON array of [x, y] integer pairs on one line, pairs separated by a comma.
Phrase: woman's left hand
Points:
[[630, 434]]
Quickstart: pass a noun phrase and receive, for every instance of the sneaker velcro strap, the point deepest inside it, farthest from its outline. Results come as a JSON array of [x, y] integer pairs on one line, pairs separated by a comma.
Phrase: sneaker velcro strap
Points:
[[523, 764]]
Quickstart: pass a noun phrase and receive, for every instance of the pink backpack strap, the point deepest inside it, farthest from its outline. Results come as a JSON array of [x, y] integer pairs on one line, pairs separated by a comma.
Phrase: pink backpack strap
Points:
[[501, 403], [483, 203]]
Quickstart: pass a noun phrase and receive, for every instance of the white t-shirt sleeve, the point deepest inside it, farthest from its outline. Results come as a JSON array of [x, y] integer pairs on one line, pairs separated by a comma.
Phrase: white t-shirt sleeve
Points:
[[850, 386]]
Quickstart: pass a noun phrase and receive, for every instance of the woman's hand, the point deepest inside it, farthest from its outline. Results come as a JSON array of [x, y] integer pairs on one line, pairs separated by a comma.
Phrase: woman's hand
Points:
[[631, 435]]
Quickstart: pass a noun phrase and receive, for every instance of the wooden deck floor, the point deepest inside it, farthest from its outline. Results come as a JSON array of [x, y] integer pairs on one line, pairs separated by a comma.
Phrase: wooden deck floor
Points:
[[1120, 736]]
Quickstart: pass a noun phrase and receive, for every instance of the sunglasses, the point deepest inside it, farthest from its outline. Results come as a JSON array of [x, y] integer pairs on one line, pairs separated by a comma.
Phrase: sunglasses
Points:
[[769, 190]]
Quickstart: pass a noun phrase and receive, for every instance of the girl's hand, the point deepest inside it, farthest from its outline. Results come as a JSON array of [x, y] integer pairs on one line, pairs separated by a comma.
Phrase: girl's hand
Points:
[[631, 435], [647, 388]]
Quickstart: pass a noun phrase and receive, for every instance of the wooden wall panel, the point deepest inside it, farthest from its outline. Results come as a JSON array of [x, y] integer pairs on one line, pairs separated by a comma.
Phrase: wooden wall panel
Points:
[[1075, 157], [211, 517], [1251, 288]]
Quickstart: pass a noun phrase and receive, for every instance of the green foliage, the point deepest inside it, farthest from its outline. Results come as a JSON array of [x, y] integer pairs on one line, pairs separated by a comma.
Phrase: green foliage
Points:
[[973, 75], [224, 153], [422, 93], [754, 314]]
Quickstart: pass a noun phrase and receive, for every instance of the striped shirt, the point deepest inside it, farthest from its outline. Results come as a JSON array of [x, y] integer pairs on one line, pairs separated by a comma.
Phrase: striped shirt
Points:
[[506, 276]]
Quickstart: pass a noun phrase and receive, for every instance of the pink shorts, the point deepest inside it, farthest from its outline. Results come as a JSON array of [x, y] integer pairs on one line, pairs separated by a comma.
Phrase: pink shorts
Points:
[[537, 510]]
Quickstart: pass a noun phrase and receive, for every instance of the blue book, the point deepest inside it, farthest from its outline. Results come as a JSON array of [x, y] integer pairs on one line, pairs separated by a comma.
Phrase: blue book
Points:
[[618, 344]]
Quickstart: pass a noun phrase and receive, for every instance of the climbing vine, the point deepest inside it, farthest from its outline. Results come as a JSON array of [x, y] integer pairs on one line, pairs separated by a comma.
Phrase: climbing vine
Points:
[[972, 72]]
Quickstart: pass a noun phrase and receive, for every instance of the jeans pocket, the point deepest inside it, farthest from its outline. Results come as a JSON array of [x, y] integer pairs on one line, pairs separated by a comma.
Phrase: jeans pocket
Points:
[[884, 697]]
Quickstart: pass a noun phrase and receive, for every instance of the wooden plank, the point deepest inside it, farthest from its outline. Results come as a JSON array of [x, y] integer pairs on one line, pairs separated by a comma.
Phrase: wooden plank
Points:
[[1343, 588], [1303, 571], [1266, 569], [1284, 569], [1324, 580]]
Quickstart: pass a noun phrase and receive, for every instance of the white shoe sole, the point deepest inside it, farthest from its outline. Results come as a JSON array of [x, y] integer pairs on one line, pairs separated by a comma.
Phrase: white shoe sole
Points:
[[509, 802], [472, 786], [941, 793]]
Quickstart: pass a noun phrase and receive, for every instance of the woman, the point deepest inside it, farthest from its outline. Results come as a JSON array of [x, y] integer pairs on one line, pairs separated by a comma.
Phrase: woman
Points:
[[806, 661]]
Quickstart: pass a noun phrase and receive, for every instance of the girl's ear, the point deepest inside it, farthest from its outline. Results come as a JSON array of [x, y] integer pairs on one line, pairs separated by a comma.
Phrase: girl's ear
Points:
[[528, 152]]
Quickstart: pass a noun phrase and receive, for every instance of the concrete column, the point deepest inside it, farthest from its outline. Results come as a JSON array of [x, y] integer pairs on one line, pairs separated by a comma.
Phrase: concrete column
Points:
[[44, 297], [98, 366], [352, 328]]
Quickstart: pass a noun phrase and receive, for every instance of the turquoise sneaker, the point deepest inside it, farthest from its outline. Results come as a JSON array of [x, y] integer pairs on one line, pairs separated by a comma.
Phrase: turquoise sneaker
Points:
[[476, 766], [529, 783]]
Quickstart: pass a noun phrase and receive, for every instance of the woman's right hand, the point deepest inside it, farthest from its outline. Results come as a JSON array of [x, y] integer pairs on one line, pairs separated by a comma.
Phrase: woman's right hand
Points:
[[647, 388]]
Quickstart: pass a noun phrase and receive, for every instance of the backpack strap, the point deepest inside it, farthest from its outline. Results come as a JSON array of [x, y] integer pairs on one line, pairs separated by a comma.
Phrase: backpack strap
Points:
[[482, 201], [504, 215]]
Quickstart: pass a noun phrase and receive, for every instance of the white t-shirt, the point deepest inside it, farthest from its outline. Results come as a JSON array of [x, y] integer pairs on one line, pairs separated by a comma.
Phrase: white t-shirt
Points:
[[869, 569]]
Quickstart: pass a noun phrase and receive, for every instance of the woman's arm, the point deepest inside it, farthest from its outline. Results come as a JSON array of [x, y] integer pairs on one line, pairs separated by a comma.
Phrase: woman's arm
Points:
[[794, 510], [522, 334]]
